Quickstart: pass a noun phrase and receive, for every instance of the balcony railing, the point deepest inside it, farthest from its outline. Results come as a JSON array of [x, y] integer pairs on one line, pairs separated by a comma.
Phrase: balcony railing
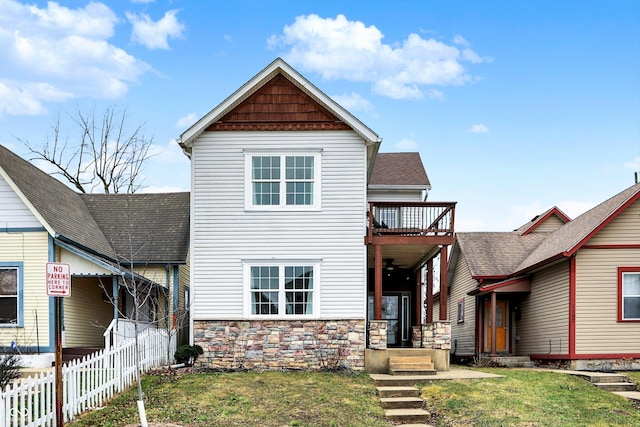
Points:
[[411, 219]]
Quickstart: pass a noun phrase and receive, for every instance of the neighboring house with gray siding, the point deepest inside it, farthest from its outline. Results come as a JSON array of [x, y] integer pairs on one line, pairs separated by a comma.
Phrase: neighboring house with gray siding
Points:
[[556, 289], [103, 238]]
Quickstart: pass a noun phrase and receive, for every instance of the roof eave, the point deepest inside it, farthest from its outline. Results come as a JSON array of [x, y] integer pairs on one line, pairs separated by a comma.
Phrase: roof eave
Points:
[[188, 137]]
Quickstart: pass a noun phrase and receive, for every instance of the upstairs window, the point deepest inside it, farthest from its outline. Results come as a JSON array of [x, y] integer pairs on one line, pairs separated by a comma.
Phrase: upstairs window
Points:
[[629, 293], [282, 182]]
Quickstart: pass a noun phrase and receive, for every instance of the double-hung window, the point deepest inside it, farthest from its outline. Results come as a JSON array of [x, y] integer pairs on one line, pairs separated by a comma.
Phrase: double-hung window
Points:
[[282, 289], [10, 292], [629, 293], [282, 181]]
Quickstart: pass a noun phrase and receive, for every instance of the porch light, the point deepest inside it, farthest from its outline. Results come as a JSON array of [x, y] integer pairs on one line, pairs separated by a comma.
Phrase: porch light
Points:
[[389, 266]]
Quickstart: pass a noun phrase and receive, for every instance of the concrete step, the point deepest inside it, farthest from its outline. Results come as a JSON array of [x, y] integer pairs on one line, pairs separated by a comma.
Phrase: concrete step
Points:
[[408, 415], [387, 392], [401, 402], [411, 366], [631, 395], [386, 380], [621, 386], [598, 377]]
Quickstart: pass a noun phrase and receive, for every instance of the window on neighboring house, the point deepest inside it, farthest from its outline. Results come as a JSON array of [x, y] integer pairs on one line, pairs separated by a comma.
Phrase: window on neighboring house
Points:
[[461, 311], [283, 289], [282, 181], [389, 217], [629, 293], [10, 285]]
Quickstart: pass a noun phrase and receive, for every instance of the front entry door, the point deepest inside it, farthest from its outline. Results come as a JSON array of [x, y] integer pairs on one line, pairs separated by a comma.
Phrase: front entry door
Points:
[[396, 311], [502, 326]]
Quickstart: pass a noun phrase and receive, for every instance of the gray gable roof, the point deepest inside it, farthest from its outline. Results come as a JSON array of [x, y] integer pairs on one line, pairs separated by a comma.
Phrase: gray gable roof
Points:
[[496, 254], [100, 223], [508, 254], [60, 207], [568, 238], [398, 169], [147, 228]]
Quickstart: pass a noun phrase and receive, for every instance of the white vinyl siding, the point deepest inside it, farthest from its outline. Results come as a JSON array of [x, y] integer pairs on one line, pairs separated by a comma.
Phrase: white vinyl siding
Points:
[[224, 234], [462, 333], [544, 325], [597, 328], [13, 212], [30, 248]]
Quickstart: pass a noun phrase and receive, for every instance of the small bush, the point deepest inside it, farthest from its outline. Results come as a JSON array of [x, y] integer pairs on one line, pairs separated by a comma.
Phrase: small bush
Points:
[[9, 368], [188, 354]]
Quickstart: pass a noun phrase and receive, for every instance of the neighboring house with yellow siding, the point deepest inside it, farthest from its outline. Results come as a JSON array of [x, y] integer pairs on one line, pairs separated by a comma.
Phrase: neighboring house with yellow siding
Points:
[[556, 289], [107, 240]]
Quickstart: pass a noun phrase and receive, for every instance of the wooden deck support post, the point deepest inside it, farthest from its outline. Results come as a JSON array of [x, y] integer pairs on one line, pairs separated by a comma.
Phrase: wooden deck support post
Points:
[[418, 303], [377, 295], [443, 283], [429, 291]]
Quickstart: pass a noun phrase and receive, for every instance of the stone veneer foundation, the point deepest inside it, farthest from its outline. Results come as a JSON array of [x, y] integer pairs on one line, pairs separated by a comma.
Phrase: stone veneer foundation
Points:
[[280, 344]]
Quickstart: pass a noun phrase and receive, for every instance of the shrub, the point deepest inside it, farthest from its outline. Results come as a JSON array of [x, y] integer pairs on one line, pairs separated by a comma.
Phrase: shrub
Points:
[[188, 354], [9, 368]]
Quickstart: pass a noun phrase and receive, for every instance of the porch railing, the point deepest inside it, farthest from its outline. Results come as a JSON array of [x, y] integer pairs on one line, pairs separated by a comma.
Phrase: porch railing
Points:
[[411, 218]]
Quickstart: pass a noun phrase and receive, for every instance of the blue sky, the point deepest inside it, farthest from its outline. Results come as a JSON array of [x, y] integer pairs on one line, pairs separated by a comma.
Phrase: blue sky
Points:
[[514, 106]]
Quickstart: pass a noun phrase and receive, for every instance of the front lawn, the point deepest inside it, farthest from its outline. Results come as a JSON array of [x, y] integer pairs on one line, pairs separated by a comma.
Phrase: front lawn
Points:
[[527, 398], [523, 397]]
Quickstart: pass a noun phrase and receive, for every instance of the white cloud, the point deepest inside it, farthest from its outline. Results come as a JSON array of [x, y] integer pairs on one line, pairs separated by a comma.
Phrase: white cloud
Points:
[[406, 144], [633, 164], [155, 34], [162, 189], [435, 94], [459, 40], [56, 53], [342, 49], [353, 102], [186, 121], [575, 208], [479, 128], [168, 154], [228, 38]]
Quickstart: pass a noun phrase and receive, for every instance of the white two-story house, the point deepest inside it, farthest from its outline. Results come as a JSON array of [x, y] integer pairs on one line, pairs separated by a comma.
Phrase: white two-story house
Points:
[[284, 241]]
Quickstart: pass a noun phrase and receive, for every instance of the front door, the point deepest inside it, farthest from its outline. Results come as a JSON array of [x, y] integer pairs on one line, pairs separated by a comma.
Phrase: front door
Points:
[[502, 326], [396, 311]]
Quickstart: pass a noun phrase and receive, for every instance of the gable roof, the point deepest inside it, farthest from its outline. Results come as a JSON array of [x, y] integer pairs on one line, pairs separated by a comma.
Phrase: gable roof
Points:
[[565, 241], [280, 68], [160, 221], [496, 254], [539, 219], [92, 222], [61, 210], [399, 170], [501, 255]]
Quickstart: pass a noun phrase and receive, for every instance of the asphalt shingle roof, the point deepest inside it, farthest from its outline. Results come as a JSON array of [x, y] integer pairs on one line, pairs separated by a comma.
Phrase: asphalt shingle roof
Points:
[[502, 254], [100, 223], [398, 169]]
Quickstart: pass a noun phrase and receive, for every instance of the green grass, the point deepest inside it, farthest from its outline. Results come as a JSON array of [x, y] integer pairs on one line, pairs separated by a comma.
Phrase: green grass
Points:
[[526, 398], [249, 399], [522, 398]]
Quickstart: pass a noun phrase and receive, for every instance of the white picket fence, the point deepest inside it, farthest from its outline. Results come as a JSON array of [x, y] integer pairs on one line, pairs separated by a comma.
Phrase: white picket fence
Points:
[[87, 383]]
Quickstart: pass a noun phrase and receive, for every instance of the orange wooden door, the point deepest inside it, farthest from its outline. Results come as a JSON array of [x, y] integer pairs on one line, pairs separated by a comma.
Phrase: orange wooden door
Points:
[[502, 326]]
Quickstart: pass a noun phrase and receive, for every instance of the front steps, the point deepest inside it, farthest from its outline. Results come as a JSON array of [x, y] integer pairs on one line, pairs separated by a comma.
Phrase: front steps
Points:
[[398, 397], [411, 366], [608, 382], [511, 361]]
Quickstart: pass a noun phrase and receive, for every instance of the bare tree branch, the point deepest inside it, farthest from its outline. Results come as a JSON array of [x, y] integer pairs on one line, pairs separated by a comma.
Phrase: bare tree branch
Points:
[[105, 155]]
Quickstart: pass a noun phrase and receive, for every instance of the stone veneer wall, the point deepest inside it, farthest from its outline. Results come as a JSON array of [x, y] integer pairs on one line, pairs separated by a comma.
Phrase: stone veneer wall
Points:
[[436, 335], [378, 334], [280, 344]]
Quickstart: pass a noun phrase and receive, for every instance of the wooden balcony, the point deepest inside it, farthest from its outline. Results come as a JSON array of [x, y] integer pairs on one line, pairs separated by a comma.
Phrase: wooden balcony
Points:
[[410, 223]]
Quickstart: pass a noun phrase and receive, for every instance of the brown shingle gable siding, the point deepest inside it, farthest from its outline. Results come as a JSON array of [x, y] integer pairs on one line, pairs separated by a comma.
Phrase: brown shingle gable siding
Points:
[[278, 105]]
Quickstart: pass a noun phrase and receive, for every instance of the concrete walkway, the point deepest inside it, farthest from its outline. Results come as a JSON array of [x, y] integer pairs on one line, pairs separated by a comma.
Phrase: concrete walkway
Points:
[[453, 373]]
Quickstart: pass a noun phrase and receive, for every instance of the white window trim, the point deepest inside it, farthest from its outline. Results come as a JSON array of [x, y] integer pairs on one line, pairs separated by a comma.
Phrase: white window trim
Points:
[[623, 296], [283, 207], [246, 268]]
